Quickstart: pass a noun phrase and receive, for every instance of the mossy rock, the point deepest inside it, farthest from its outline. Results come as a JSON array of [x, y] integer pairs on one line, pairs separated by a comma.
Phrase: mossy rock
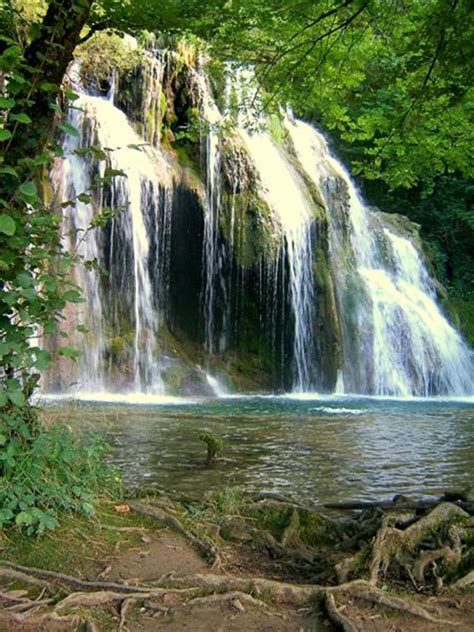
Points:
[[247, 222], [401, 226]]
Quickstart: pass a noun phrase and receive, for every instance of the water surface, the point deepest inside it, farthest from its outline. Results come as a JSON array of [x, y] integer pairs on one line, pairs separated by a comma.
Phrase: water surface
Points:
[[318, 449]]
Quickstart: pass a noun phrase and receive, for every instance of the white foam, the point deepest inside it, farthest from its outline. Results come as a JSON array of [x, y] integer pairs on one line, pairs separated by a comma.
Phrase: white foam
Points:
[[138, 399]]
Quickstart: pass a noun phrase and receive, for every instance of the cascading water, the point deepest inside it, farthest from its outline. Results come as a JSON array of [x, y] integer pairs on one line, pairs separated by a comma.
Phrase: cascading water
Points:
[[412, 348], [293, 267], [285, 194], [211, 255], [139, 195]]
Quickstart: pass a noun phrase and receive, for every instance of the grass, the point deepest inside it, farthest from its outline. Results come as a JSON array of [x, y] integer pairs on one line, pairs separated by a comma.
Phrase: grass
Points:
[[79, 546]]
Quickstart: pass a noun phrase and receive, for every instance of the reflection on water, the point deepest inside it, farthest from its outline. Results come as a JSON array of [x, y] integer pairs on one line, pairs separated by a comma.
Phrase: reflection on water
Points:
[[318, 449]]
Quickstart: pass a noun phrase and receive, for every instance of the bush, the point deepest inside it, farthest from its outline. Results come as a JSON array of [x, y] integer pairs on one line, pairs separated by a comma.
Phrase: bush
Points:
[[45, 470]]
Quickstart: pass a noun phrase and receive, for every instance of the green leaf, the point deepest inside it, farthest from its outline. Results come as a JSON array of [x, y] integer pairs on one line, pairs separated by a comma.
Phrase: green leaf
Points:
[[5, 515], [28, 189], [7, 225], [16, 397], [5, 134], [9, 171], [73, 296], [21, 117], [24, 518], [49, 521], [24, 279], [112, 173], [84, 198], [67, 128], [6, 104], [43, 360], [88, 509], [3, 399], [68, 352]]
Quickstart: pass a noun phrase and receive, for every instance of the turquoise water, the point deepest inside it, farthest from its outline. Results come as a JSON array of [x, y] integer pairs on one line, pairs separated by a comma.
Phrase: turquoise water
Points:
[[318, 449]]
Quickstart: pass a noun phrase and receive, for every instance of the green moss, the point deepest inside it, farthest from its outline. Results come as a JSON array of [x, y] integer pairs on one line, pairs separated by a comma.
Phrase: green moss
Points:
[[403, 227], [104, 53], [462, 314], [277, 129], [214, 445], [254, 232], [163, 103], [187, 158], [173, 378], [177, 344]]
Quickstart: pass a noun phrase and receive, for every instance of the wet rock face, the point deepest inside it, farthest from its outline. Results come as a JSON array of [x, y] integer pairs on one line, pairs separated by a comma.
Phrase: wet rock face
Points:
[[186, 278], [194, 384], [244, 251]]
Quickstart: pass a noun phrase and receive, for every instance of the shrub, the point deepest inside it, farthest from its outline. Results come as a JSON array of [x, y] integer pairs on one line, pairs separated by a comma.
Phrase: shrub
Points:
[[48, 469]]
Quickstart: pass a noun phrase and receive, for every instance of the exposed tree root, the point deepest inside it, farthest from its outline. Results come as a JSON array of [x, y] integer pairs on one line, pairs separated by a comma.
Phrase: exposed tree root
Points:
[[105, 598], [127, 605], [300, 558], [205, 548], [464, 582], [221, 589], [18, 576], [427, 558], [29, 574], [392, 543], [280, 592], [230, 596], [377, 597], [336, 617], [16, 620], [416, 546]]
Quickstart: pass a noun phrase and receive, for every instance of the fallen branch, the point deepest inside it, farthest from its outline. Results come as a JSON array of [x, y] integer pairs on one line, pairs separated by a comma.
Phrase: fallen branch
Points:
[[390, 505]]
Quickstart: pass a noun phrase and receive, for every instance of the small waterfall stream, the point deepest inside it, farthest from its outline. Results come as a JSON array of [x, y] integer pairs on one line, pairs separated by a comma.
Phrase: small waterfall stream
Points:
[[413, 348], [139, 198], [284, 193], [393, 336]]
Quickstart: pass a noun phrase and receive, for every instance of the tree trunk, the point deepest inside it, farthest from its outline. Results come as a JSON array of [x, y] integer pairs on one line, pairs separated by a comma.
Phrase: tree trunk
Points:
[[47, 58]]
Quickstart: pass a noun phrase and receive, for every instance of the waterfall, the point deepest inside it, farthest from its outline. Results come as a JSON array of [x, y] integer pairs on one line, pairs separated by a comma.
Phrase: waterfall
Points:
[[293, 269], [404, 338], [211, 255], [284, 192], [139, 196]]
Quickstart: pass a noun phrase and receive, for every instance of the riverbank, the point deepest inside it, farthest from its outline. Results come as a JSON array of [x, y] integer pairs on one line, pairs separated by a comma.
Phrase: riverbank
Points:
[[234, 562]]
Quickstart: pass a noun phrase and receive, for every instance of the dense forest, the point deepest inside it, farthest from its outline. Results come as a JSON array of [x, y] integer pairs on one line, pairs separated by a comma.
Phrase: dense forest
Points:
[[389, 84]]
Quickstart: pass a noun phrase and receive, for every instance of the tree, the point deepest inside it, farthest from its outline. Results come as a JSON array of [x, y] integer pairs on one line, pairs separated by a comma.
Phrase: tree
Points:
[[392, 79]]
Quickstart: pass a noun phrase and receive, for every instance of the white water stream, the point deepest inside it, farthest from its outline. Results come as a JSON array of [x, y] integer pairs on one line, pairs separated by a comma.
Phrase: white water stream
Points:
[[415, 351], [132, 196], [395, 339]]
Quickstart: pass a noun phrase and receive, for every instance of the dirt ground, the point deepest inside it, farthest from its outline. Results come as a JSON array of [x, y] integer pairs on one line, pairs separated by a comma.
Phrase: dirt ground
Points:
[[156, 553]]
